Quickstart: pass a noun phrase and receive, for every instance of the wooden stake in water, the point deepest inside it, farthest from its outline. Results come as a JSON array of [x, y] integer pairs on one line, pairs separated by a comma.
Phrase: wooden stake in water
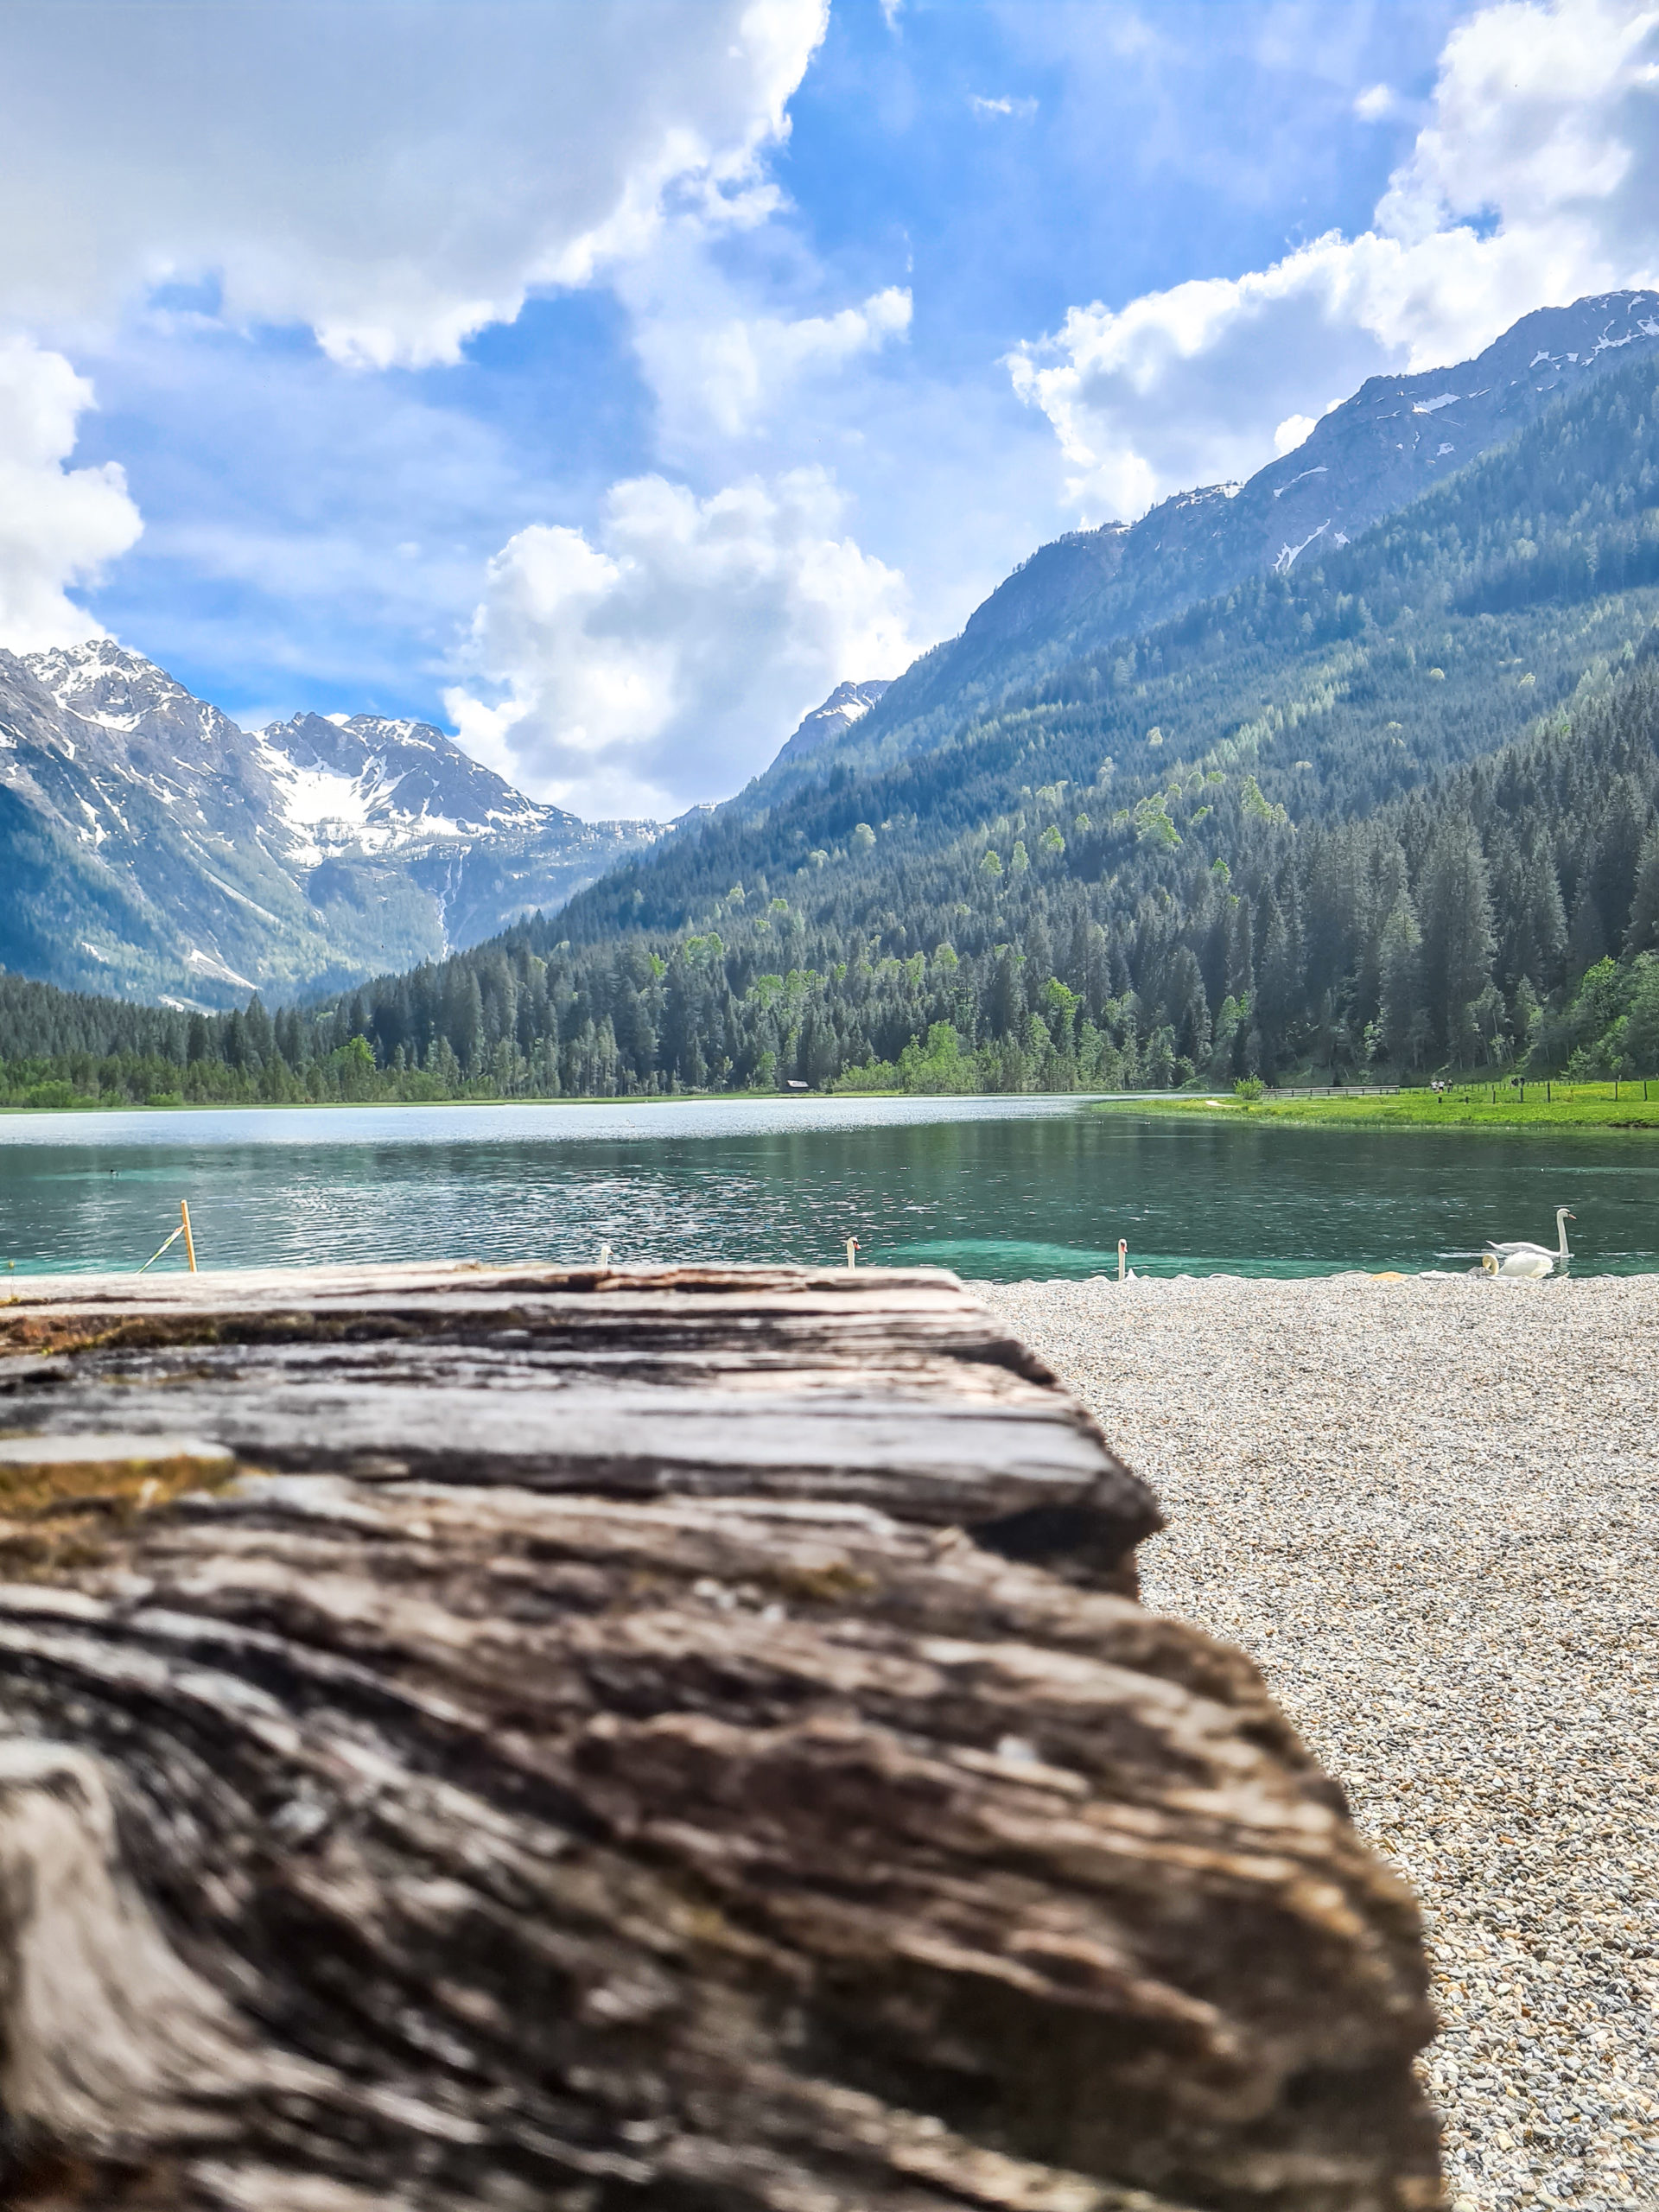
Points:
[[189, 1241]]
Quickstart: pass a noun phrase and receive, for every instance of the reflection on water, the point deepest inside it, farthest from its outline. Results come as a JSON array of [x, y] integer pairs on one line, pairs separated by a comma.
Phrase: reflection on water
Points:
[[1001, 1187]]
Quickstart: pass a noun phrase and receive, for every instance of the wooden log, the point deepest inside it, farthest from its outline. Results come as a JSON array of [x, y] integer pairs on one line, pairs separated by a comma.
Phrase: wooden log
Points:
[[684, 1741]]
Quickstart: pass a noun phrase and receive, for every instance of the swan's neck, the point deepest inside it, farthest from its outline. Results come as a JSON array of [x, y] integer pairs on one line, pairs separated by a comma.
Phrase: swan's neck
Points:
[[1561, 1230]]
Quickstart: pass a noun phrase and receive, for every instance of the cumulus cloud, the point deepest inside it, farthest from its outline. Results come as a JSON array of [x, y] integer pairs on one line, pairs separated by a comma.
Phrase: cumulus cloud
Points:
[[1534, 181], [58, 526], [665, 659], [984, 108], [716, 367], [405, 174], [1375, 104]]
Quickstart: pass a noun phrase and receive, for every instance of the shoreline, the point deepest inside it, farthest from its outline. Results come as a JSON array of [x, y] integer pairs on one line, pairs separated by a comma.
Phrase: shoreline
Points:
[[1400, 1112], [1427, 1518]]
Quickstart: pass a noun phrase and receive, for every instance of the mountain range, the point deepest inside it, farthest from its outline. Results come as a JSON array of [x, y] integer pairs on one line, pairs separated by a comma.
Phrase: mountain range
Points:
[[155, 850], [152, 848]]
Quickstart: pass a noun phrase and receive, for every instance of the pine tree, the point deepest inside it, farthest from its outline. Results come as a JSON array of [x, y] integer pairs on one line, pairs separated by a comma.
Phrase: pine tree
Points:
[[1456, 911], [1400, 982], [1537, 947], [1643, 932], [1586, 941], [1614, 859], [1278, 987], [1241, 954]]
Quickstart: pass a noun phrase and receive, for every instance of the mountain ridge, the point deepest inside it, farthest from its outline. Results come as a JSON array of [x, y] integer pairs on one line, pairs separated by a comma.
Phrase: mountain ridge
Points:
[[1367, 457], [209, 860]]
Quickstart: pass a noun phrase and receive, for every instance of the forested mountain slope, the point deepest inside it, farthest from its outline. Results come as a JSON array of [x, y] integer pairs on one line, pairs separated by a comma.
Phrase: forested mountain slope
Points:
[[1395, 439], [1445, 632], [1384, 810]]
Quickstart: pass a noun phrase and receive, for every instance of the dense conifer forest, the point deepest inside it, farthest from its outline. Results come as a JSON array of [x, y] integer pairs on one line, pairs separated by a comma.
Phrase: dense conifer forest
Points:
[[1394, 813]]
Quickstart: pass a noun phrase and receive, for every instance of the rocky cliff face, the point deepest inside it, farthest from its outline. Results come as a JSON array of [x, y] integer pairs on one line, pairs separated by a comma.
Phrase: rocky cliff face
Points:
[[155, 849]]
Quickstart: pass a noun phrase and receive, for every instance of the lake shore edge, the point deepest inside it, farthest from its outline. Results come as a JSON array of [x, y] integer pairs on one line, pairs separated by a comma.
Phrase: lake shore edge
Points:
[[1410, 1110]]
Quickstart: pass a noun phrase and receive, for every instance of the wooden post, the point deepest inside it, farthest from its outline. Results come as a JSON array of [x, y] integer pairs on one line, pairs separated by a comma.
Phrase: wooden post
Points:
[[189, 1241]]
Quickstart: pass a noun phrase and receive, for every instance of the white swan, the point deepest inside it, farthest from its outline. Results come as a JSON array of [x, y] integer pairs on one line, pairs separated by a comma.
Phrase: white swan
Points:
[[1125, 1272], [1522, 1267], [1533, 1260]]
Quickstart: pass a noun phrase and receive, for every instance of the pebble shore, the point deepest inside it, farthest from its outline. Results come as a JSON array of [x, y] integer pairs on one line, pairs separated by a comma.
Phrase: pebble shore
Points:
[[1428, 1510]]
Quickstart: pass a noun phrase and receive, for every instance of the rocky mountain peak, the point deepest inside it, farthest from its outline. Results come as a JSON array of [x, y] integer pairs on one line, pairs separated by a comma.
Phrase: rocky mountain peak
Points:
[[847, 704], [377, 783], [102, 682]]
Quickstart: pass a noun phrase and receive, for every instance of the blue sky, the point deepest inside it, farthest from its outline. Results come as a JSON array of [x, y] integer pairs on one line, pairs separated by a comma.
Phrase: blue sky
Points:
[[606, 382]]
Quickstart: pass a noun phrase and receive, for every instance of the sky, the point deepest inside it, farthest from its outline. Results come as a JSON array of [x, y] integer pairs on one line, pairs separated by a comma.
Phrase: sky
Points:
[[605, 381]]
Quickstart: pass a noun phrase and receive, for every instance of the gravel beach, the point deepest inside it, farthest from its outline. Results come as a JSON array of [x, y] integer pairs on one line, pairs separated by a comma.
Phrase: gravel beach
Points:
[[1426, 1509]]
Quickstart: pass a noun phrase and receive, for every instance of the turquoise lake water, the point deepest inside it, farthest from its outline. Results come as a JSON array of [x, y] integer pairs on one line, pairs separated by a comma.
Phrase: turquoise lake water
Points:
[[999, 1187]]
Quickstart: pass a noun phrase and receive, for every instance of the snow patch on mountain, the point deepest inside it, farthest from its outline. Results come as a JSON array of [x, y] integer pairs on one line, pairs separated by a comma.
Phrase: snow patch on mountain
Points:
[[281, 860], [847, 704], [1287, 553], [207, 963], [1321, 470]]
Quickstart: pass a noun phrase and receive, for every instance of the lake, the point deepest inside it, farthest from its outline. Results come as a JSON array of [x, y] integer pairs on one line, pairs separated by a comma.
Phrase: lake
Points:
[[999, 1187]]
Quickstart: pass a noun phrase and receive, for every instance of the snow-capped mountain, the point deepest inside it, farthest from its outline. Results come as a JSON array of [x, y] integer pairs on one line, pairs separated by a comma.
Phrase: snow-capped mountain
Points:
[[379, 786], [846, 704], [151, 846]]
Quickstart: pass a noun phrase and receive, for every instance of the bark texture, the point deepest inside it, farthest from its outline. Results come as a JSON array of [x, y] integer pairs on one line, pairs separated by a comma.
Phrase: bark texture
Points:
[[684, 1741]]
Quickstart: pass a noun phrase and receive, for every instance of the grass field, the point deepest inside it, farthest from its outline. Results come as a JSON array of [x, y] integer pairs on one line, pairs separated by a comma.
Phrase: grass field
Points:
[[1549, 1106]]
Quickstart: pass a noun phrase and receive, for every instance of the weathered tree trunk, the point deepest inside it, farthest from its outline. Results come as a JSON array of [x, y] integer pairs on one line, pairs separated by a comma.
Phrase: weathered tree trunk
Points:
[[684, 1741]]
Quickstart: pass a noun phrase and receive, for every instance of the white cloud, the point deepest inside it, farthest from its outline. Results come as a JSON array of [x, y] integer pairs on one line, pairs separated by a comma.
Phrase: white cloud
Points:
[[58, 526], [1293, 432], [1375, 104], [393, 175], [715, 366], [1535, 181], [665, 659], [1025, 109]]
